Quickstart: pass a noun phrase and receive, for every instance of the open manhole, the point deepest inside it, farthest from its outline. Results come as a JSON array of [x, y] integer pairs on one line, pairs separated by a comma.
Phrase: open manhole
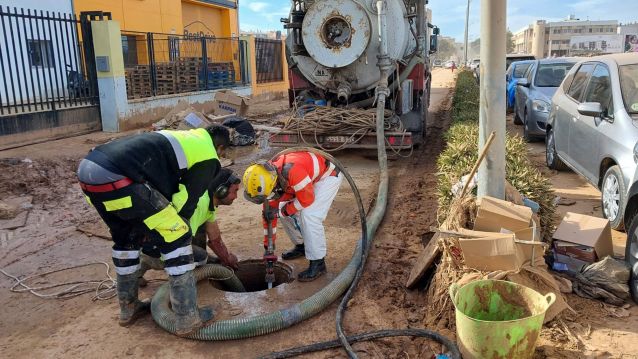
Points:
[[252, 273]]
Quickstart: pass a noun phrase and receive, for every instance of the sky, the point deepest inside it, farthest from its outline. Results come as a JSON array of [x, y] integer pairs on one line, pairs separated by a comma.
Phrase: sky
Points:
[[449, 15]]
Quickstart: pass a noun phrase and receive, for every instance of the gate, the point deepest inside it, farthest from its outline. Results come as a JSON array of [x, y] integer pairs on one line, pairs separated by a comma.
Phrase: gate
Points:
[[49, 82]]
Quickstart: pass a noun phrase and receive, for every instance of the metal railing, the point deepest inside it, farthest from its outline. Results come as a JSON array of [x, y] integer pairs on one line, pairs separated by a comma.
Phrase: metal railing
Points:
[[43, 63], [268, 56], [164, 64]]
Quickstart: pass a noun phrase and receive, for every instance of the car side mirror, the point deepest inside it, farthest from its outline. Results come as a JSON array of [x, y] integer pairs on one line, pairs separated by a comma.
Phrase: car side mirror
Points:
[[593, 109], [523, 82]]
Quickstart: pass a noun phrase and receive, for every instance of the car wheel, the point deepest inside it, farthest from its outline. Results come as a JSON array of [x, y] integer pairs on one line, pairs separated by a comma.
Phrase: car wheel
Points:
[[631, 256], [551, 157], [517, 118], [613, 197]]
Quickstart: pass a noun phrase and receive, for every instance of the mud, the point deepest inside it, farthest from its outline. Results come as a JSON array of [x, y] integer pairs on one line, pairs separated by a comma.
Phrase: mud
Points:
[[515, 305], [62, 230]]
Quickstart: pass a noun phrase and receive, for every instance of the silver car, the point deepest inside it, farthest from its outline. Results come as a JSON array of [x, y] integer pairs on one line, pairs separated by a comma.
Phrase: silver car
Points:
[[593, 127], [534, 93]]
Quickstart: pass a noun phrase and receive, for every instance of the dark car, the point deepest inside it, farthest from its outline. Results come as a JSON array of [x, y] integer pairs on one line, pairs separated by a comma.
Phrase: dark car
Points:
[[534, 94], [511, 58], [516, 71]]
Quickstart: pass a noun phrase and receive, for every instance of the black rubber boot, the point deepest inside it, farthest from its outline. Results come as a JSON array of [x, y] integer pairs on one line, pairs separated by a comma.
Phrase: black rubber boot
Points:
[[314, 271], [131, 308], [298, 251], [188, 318]]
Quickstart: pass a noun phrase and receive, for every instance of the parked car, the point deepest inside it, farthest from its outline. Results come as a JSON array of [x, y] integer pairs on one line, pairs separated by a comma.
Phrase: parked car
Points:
[[437, 63], [593, 129], [510, 58], [516, 71], [534, 93], [474, 64], [630, 220]]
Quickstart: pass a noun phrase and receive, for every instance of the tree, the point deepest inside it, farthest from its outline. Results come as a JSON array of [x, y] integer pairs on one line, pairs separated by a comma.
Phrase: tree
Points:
[[474, 49], [509, 44], [447, 48]]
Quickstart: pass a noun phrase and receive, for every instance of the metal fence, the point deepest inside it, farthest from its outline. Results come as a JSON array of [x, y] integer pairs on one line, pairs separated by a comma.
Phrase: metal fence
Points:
[[44, 62], [269, 60], [164, 64]]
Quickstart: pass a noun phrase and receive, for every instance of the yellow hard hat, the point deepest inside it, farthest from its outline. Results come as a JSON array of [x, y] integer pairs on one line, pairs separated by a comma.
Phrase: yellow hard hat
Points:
[[259, 182]]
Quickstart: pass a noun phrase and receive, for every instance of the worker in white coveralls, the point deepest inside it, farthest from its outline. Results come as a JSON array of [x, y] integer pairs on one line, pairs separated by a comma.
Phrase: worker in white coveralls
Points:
[[300, 188]]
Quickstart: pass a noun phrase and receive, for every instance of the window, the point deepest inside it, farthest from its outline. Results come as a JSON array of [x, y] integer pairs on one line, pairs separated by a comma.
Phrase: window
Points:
[[603, 45], [581, 45], [579, 82], [555, 42], [129, 50], [628, 87], [520, 70], [551, 75], [592, 45], [590, 29], [599, 88], [40, 53]]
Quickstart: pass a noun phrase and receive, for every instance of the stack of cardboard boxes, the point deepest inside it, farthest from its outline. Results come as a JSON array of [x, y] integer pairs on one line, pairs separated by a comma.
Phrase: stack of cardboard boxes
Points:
[[506, 236]]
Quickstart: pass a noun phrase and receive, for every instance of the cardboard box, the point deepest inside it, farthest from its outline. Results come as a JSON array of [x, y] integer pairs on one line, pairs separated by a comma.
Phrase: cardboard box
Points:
[[584, 237], [495, 252], [227, 102], [495, 214], [525, 250]]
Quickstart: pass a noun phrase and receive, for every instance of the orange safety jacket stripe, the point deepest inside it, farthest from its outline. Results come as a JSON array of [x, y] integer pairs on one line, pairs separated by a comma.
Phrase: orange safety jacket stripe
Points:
[[299, 170]]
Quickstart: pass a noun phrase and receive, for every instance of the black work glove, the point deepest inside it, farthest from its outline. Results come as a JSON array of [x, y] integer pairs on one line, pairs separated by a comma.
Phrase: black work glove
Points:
[[270, 214]]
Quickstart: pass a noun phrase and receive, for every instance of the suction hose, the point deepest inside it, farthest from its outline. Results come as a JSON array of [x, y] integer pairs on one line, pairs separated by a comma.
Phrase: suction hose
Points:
[[267, 323]]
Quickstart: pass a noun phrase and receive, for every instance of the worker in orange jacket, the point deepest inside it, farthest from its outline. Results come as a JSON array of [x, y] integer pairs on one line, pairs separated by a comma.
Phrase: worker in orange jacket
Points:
[[300, 187]]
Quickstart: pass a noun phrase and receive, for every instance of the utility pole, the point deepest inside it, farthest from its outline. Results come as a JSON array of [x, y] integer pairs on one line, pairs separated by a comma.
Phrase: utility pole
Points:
[[467, 21], [491, 173]]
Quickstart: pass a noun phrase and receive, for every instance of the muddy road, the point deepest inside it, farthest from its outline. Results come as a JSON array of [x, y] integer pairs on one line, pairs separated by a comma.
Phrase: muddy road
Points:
[[61, 230]]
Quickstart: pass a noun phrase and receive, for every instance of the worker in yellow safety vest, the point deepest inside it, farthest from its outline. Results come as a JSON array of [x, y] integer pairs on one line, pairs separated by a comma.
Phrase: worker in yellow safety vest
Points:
[[148, 186]]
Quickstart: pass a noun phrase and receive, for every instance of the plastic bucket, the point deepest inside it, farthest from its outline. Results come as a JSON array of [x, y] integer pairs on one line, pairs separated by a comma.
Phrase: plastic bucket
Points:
[[498, 319]]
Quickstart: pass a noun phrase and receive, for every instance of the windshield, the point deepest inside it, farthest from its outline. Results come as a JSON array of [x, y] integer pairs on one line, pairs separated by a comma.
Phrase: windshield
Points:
[[551, 75], [509, 60], [628, 88]]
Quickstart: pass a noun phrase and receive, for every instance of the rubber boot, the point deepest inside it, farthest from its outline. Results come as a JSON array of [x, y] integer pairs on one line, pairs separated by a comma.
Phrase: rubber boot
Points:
[[188, 318], [298, 251], [131, 308], [147, 262], [314, 271]]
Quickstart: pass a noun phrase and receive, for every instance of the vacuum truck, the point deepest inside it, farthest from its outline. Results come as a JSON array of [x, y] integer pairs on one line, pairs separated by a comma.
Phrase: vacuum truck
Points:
[[332, 48]]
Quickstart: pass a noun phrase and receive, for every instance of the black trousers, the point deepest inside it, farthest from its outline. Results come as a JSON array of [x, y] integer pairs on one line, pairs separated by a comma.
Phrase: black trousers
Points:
[[138, 213]]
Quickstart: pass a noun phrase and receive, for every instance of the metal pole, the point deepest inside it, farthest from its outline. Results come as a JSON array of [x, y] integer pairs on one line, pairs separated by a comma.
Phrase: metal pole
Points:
[[491, 175], [467, 21]]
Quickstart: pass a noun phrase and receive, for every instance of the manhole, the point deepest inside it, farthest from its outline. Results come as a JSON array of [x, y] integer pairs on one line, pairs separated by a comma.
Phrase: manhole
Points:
[[252, 274]]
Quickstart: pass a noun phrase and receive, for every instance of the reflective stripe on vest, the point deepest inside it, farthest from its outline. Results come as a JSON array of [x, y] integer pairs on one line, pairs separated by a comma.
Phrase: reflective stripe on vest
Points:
[[191, 147]]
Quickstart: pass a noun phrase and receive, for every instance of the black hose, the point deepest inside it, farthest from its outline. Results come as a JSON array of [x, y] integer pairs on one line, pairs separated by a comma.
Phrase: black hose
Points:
[[453, 353]]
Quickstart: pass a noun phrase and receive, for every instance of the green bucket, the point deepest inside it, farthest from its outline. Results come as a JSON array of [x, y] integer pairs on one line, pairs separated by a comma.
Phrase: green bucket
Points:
[[498, 319]]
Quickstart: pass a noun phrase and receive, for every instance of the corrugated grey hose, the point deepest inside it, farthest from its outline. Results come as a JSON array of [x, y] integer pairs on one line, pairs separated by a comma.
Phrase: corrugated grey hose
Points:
[[267, 323]]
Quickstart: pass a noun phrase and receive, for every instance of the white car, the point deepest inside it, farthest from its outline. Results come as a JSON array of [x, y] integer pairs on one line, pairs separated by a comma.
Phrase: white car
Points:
[[474, 64]]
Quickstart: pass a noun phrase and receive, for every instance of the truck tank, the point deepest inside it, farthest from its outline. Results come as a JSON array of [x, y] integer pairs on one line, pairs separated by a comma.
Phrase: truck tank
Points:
[[332, 48]]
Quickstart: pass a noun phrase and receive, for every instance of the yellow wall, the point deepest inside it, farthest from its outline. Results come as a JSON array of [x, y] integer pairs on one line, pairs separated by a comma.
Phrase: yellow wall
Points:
[[166, 16], [269, 87], [139, 15]]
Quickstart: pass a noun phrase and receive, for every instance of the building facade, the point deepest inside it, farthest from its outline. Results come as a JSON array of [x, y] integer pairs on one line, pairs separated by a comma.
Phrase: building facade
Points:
[[38, 60], [553, 39]]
